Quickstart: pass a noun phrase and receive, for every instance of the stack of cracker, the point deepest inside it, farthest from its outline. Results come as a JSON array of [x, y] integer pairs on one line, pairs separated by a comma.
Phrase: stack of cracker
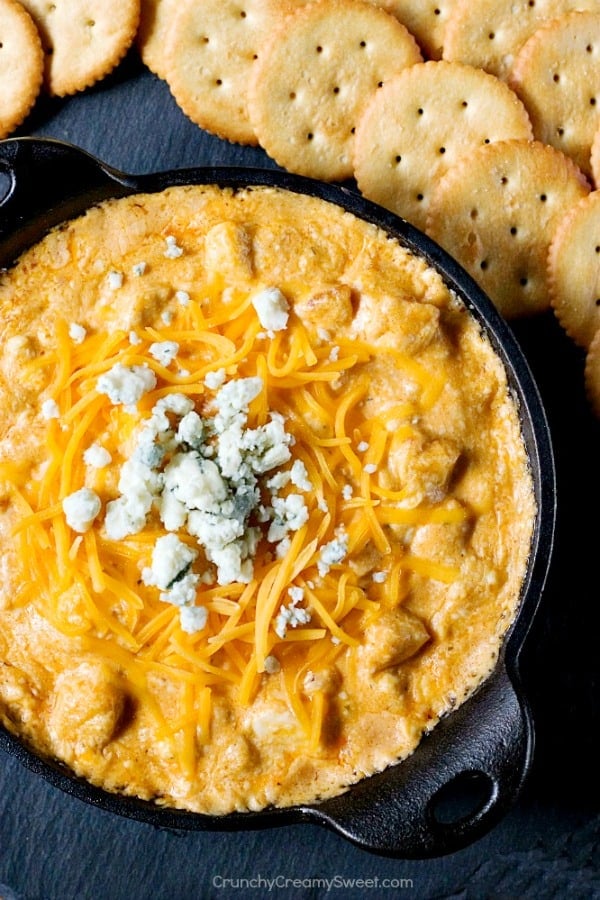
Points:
[[475, 120]]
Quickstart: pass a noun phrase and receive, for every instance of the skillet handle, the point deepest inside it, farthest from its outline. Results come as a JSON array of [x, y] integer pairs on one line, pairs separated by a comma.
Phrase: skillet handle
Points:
[[43, 182], [485, 744]]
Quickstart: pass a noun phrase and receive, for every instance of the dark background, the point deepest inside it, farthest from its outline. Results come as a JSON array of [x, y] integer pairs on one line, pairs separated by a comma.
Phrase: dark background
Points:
[[54, 847]]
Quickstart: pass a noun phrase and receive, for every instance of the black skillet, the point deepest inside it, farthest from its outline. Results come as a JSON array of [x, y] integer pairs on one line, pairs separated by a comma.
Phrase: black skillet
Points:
[[466, 774]]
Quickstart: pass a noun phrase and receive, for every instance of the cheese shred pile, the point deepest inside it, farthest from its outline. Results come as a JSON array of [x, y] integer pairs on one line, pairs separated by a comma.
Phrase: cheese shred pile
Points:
[[304, 604]]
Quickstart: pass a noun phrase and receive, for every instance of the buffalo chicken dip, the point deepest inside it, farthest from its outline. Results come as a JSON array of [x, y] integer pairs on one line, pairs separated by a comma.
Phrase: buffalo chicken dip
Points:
[[265, 507]]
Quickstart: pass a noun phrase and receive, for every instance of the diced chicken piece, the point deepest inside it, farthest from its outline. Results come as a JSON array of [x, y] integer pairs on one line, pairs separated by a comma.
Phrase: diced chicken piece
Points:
[[325, 680], [228, 251], [329, 307], [406, 325], [87, 707], [441, 542], [422, 466], [392, 639], [17, 694], [17, 352]]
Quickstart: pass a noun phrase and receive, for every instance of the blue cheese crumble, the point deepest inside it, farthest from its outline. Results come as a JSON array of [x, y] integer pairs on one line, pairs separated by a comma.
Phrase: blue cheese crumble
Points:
[[126, 384], [164, 352], [204, 475], [292, 615], [271, 308], [81, 508], [333, 553]]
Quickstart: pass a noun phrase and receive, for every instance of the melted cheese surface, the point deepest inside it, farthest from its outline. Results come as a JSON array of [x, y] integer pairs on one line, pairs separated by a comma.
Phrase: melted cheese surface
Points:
[[355, 624]]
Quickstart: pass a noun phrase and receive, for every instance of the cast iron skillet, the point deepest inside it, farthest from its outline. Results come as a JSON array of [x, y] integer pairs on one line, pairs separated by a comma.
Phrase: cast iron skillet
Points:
[[466, 774]]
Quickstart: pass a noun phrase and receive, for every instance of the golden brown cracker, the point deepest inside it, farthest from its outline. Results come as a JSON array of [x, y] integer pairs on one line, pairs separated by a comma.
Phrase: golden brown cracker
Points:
[[421, 123], [592, 374], [574, 270], [83, 39], [315, 78], [426, 20], [489, 33], [212, 48], [152, 36], [21, 65], [557, 75], [496, 212]]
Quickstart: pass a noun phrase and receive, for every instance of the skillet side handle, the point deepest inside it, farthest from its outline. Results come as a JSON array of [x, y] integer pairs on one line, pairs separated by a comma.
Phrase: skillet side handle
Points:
[[405, 812], [43, 182]]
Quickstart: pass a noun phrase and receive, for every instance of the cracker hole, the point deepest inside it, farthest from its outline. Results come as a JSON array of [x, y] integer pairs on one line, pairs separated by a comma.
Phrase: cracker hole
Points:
[[420, 111], [218, 82], [483, 265], [242, 14], [543, 198], [592, 101], [560, 132], [90, 23], [336, 90], [352, 130], [589, 49], [513, 230], [491, 35], [597, 248], [474, 213], [531, 3], [420, 197], [442, 150], [437, 12], [523, 281], [309, 136], [292, 95], [319, 49], [363, 44], [504, 180], [556, 78], [398, 159], [464, 104], [380, 84], [486, 140], [597, 301]]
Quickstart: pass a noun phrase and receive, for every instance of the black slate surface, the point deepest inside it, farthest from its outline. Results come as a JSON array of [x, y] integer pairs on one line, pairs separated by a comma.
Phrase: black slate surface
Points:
[[53, 847]]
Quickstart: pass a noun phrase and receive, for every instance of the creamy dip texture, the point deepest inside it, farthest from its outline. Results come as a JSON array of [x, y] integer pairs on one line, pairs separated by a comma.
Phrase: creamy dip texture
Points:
[[265, 507]]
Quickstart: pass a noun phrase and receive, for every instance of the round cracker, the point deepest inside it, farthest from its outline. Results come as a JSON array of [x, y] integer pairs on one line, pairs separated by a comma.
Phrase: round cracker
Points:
[[21, 65], [152, 36], [83, 39], [557, 76], [592, 374], [489, 33], [421, 123], [595, 158], [212, 49], [496, 213], [427, 21], [574, 270], [315, 78]]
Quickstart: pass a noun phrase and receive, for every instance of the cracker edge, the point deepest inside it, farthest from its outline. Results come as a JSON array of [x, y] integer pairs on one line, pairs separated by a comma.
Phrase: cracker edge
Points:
[[11, 123], [556, 297]]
